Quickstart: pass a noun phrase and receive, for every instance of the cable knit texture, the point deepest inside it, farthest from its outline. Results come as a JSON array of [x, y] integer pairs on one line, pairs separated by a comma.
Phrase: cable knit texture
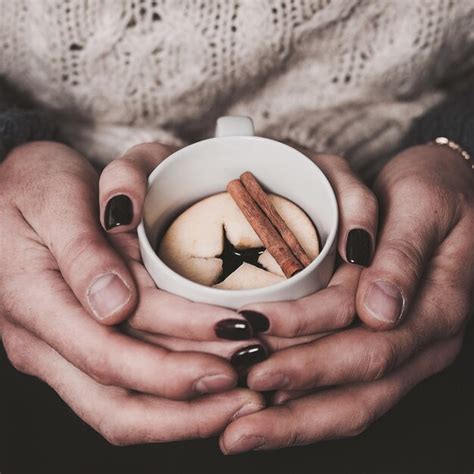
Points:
[[346, 76]]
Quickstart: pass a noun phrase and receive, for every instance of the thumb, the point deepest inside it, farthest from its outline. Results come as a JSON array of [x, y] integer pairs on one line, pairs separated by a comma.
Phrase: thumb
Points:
[[410, 233], [123, 185], [61, 206]]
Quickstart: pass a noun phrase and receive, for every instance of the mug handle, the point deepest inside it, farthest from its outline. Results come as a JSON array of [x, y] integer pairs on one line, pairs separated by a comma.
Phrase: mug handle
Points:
[[234, 126]]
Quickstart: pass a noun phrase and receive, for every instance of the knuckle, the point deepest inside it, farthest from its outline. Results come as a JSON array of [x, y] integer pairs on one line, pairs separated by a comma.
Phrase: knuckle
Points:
[[112, 169], [297, 326], [429, 193], [365, 198], [328, 159], [425, 189], [360, 420], [346, 308], [361, 196], [381, 358], [292, 438], [204, 429], [371, 203], [122, 168], [147, 148], [114, 439], [457, 314], [82, 245], [114, 432], [16, 349], [10, 300], [145, 151], [99, 366], [452, 352], [294, 435], [406, 254], [447, 357]]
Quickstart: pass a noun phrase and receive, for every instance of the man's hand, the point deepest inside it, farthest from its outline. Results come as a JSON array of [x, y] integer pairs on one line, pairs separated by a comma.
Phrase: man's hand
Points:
[[424, 258], [60, 276], [122, 416]]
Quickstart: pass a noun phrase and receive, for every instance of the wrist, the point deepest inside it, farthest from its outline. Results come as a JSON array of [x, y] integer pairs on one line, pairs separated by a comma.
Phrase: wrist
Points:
[[461, 152], [424, 171], [431, 157], [443, 160]]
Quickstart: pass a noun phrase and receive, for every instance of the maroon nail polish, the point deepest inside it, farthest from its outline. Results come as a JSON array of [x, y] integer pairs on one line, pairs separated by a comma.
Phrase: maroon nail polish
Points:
[[359, 247], [119, 211], [233, 329], [248, 356], [258, 321]]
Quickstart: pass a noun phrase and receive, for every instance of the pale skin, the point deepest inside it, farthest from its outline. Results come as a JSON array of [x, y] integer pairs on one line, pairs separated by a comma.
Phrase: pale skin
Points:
[[54, 213]]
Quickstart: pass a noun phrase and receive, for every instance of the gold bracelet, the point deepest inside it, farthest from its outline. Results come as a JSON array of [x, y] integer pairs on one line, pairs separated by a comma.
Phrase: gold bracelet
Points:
[[443, 141]]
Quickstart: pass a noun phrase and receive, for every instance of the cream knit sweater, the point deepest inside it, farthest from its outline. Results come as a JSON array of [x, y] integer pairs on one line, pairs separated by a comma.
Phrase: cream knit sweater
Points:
[[345, 76]]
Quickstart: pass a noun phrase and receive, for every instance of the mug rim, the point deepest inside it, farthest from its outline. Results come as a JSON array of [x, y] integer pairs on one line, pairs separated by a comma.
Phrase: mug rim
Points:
[[209, 290]]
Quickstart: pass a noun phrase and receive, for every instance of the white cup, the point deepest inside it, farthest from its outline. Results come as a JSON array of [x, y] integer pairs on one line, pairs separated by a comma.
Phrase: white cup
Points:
[[204, 168]]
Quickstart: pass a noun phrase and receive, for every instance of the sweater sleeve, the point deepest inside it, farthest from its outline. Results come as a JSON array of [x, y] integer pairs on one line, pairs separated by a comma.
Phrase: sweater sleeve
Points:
[[20, 125], [453, 119]]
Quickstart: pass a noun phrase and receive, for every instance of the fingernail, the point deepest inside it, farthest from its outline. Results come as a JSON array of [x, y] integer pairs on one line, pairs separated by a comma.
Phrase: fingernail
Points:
[[246, 443], [258, 321], [384, 300], [247, 409], [119, 211], [359, 247], [214, 384], [270, 381], [248, 356], [107, 295], [233, 329]]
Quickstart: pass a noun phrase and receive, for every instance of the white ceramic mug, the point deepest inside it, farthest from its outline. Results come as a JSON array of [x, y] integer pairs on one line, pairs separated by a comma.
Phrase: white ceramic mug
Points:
[[204, 168]]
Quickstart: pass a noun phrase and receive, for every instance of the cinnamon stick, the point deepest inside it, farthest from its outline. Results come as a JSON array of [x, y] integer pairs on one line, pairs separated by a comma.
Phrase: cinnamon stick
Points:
[[264, 229], [261, 198]]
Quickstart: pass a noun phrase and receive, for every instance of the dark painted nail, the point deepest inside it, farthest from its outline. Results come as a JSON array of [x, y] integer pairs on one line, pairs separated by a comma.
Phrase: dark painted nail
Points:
[[248, 356], [258, 321], [233, 329], [119, 211], [359, 247]]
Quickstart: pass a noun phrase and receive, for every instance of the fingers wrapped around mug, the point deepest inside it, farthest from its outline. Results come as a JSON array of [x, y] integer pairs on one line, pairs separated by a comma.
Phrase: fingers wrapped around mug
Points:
[[123, 185], [179, 324], [360, 354], [337, 412], [358, 209], [326, 310]]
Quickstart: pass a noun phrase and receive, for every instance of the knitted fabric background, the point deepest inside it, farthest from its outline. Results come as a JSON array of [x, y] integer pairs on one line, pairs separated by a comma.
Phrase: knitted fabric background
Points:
[[345, 76]]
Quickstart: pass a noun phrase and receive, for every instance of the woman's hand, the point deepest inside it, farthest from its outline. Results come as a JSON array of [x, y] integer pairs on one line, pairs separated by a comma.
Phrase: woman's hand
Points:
[[425, 259], [162, 318], [60, 276]]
